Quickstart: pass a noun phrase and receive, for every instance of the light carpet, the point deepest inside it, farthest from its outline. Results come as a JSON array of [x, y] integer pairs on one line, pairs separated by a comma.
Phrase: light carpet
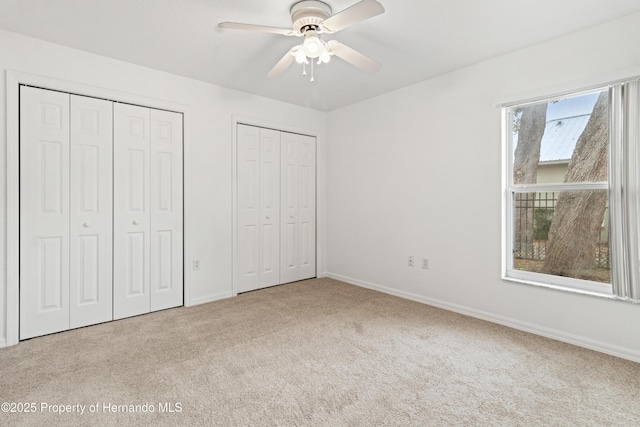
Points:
[[317, 352]]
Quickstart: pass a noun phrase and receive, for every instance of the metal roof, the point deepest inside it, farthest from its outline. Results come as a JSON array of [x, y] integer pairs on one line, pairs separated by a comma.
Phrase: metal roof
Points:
[[560, 138]]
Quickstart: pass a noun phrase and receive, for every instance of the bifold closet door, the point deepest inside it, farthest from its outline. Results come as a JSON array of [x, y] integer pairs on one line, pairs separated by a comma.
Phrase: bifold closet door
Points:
[[298, 208], [97, 245], [44, 212], [258, 239], [148, 236], [65, 211], [166, 210], [131, 202], [91, 280]]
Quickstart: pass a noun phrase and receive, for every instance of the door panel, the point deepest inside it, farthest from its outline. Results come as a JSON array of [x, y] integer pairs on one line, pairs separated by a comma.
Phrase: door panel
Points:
[[289, 181], [44, 212], [88, 288], [298, 182], [131, 222], [166, 210], [52, 184], [136, 171], [269, 207], [91, 280], [248, 209], [258, 251], [307, 208], [135, 261], [164, 260], [51, 278]]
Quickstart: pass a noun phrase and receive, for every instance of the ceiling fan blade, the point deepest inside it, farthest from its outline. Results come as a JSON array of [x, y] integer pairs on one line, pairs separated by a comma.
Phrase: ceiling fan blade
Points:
[[353, 57], [283, 64], [259, 28], [360, 11]]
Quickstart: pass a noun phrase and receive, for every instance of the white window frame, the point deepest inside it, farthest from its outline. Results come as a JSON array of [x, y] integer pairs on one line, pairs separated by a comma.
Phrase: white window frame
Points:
[[509, 273]]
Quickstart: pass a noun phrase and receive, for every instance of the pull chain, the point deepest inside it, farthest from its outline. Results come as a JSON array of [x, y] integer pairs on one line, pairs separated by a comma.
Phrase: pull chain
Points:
[[312, 79]]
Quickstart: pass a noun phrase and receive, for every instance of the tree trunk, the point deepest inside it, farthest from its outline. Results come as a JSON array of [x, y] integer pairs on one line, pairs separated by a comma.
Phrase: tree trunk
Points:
[[573, 237], [525, 171]]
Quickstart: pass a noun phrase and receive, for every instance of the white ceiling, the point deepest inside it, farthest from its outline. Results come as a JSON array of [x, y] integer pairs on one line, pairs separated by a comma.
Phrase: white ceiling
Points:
[[414, 40]]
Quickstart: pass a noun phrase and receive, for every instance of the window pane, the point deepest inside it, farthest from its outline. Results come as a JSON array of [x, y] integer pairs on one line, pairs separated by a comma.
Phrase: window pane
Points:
[[564, 140], [563, 233]]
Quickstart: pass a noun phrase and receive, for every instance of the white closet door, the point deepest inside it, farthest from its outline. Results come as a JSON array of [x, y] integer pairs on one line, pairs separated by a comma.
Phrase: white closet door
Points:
[[248, 209], [269, 207], [298, 200], [91, 211], [307, 207], [166, 210], [290, 195], [131, 222], [44, 212], [258, 251]]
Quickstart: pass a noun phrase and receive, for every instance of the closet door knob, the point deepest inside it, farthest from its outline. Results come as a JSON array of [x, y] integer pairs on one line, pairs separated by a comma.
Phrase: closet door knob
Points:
[[291, 216], [87, 224], [135, 222], [268, 217]]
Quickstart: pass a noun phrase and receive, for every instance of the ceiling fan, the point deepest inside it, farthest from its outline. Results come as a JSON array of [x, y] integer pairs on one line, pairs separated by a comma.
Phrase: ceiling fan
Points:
[[311, 19]]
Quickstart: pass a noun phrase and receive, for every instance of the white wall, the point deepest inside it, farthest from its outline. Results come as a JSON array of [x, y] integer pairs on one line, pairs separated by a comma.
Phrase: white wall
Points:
[[418, 172], [209, 179]]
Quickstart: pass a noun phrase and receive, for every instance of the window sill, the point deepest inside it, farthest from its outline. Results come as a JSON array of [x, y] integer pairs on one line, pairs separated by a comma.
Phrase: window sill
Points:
[[565, 284]]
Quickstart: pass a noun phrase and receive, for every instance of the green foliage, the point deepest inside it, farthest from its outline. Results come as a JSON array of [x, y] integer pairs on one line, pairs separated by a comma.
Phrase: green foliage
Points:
[[542, 223]]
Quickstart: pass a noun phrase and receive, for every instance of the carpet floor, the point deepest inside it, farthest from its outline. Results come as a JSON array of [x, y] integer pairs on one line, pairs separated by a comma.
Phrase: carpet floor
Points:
[[316, 352]]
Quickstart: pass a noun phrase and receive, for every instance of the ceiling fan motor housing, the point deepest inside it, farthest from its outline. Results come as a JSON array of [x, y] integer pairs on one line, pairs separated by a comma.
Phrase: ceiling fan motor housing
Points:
[[308, 14]]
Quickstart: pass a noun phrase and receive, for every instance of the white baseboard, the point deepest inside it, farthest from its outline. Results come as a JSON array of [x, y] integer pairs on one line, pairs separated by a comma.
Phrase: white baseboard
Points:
[[603, 347], [209, 298]]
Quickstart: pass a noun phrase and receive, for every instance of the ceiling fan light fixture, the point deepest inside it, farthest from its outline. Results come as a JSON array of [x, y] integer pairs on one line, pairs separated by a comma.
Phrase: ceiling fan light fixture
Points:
[[312, 45], [300, 56], [324, 57]]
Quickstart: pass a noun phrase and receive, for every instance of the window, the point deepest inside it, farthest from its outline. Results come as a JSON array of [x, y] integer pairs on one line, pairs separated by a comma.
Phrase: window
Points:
[[569, 224]]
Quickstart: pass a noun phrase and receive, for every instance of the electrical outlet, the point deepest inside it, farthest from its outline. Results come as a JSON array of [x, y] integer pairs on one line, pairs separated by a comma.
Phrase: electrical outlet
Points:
[[410, 262], [425, 263], [196, 264]]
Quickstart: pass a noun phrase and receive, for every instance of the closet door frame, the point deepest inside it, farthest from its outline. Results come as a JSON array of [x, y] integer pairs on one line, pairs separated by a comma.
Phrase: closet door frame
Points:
[[14, 79], [320, 171]]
